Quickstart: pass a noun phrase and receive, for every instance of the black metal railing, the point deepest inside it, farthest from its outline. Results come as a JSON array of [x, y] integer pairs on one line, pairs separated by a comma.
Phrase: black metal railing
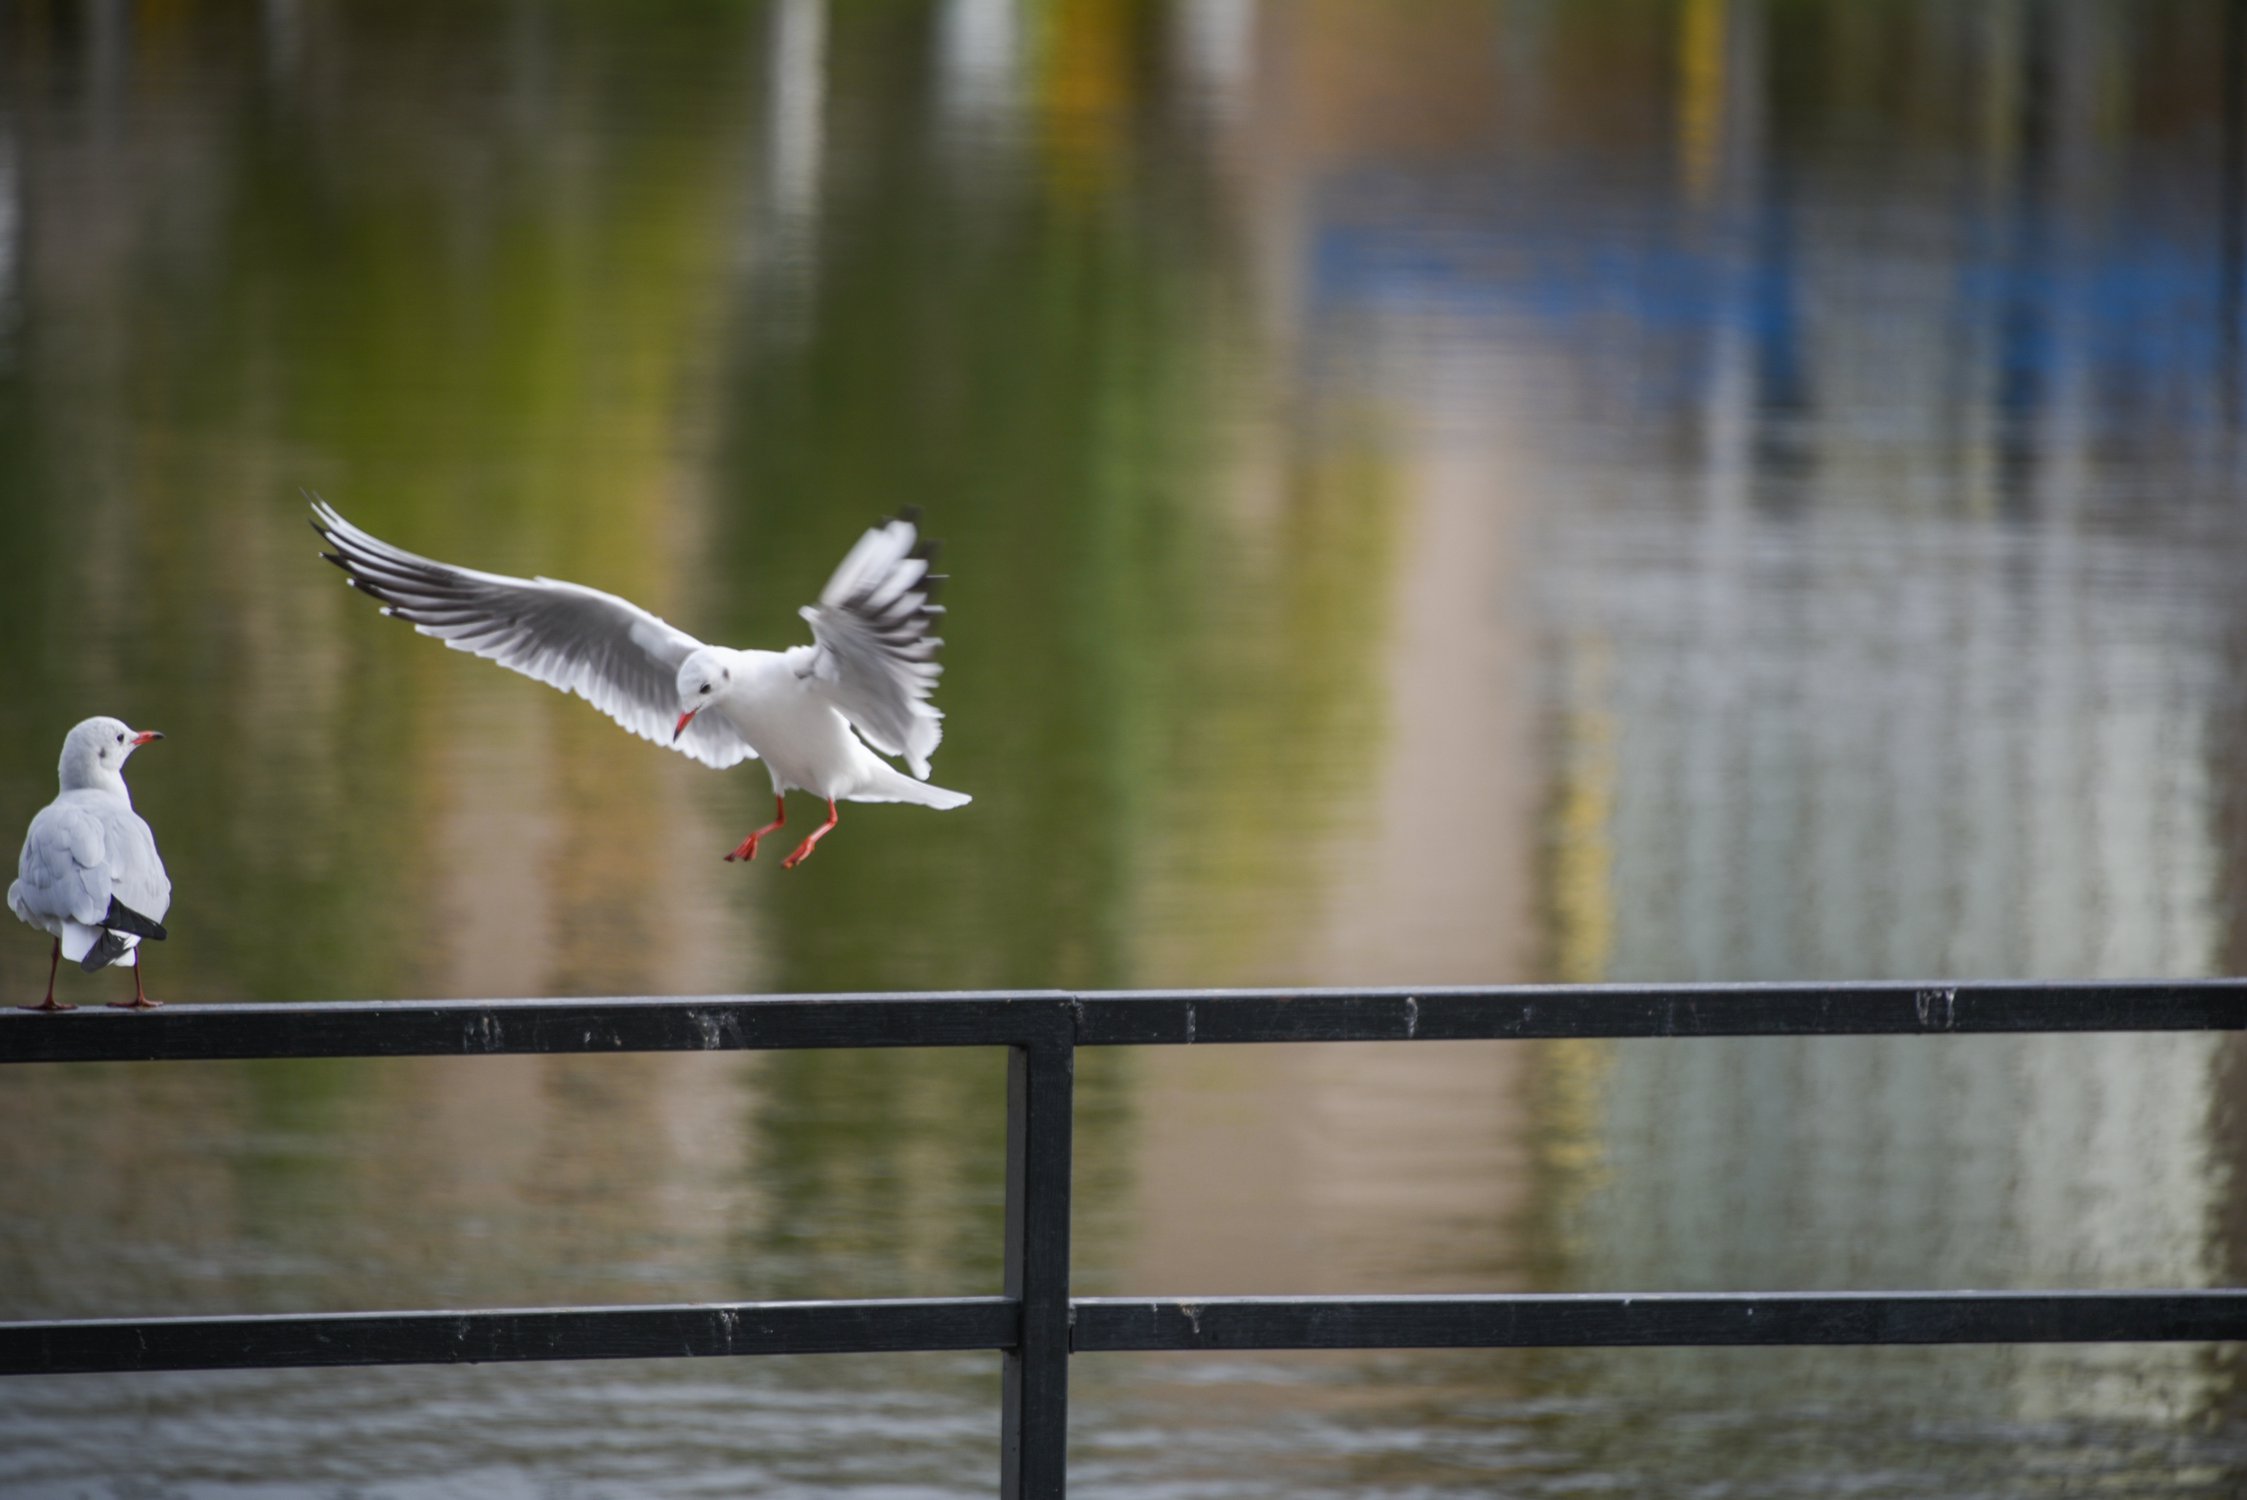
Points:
[[1035, 1323]]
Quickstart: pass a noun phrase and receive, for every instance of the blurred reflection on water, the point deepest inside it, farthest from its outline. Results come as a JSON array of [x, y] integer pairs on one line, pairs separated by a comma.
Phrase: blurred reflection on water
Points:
[[1460, 492]]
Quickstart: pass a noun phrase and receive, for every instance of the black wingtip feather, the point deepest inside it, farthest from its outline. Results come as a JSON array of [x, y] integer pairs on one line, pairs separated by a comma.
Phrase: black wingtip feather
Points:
[[122, 918], [391, 601], [106, 950]]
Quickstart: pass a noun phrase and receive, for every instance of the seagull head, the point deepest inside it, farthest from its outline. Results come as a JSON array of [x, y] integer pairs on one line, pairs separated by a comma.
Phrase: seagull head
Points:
[[703, 677], [96, 751]]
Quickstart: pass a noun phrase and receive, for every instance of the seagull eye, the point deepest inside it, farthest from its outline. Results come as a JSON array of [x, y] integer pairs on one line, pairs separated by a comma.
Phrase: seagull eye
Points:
[[120, 739], [704, 688]]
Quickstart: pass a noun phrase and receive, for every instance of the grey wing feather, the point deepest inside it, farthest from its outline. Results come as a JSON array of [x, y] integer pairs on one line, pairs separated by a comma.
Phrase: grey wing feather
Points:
[[875, 628], [136, 871], [608, 651], [64, 869]]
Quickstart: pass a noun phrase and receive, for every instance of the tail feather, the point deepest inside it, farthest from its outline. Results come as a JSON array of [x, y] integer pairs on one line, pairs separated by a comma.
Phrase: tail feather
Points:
[[120, 932], [78, 939], [890, 785]]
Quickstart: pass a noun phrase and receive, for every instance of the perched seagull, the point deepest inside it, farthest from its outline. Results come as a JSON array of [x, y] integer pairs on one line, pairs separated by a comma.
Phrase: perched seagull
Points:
[[870, 668], [89, 872]]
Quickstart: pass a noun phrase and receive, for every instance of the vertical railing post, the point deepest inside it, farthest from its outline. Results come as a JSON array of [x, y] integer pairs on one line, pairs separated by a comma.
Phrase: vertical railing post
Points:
[[1040, 1081]]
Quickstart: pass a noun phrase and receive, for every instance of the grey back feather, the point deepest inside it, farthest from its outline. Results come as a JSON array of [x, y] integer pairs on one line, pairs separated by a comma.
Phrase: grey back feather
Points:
[[83, 850]]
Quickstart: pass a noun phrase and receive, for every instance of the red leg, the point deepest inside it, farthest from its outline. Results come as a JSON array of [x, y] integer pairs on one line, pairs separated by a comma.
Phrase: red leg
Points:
[[803, 850], [140, 1000], [52, 965], [748, 849]]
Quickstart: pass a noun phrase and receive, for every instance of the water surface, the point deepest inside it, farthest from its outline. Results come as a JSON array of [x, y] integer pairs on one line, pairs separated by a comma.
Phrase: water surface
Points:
[[1450, 493]]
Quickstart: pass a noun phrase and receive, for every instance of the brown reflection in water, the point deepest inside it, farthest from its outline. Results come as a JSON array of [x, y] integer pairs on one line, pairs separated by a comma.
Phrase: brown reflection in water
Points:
[[1305, 1169], [1316, 1169], [1432, 882]]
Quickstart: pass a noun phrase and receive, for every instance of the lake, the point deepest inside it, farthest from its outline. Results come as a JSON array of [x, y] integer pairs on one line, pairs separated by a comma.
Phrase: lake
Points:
[[1448, 493]]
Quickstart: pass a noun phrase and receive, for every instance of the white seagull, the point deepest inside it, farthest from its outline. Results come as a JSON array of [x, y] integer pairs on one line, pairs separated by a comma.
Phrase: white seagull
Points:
[[870, 668], [89, 872]]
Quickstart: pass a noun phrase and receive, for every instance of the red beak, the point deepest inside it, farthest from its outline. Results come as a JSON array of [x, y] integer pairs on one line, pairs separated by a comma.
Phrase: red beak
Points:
[[681, 727], [146, 735]]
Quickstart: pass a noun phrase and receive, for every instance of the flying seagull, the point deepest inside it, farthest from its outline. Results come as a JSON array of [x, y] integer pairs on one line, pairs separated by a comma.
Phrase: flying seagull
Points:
[[89, 872], [870, 668]]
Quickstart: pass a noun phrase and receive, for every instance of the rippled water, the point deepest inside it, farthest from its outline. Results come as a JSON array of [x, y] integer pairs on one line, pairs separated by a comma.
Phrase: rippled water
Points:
[[1450, 492]]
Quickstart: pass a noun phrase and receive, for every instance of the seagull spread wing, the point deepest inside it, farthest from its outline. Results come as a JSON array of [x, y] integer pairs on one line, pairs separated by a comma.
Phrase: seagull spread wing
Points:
[[609, 651], [876, 656]]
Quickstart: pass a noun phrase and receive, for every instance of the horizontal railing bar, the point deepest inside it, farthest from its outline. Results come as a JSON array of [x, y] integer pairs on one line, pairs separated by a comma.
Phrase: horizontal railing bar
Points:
[[1116, 1324], [447, 1028], [1178, 1017], [1110, 1324], [269, 1341], [400, 1028]]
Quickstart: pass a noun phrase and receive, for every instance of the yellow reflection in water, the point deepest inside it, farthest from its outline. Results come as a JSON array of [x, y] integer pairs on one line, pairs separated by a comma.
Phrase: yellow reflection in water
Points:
[[1573, 1074], [1702, 88]]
